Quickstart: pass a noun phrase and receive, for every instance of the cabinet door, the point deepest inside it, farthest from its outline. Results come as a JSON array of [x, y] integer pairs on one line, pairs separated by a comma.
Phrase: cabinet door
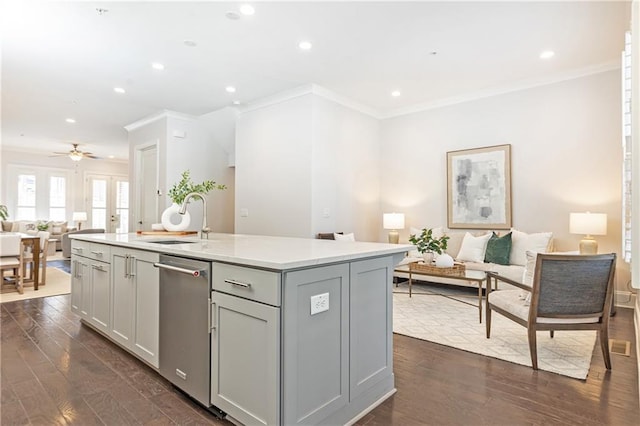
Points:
[[122, 302], [370, 328], [79, 286], [99, 313], [146, 317], [245, 359], [316, 346]]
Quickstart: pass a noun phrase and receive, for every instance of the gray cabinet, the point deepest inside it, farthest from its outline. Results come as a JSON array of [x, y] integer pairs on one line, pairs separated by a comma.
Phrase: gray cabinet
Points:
[[245, 344], [315, 346], [91, 283], [135, 302], [80, 290], [338, 359]]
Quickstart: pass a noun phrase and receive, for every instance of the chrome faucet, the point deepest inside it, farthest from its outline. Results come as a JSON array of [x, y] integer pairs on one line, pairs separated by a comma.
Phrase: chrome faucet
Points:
[[183, 209]]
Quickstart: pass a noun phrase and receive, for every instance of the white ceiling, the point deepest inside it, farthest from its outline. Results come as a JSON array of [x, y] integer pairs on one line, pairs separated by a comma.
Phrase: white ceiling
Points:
[[62, 59]]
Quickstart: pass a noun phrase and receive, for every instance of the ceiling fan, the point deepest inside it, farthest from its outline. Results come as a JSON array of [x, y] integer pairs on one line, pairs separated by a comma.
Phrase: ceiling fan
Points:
[[75, 154]]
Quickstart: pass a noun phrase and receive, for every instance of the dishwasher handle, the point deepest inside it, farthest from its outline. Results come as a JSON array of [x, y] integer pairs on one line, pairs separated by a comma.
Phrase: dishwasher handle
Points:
[[193, 272]]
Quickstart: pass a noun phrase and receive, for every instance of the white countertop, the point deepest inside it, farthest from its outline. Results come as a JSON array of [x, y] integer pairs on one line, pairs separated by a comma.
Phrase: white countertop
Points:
[[278, 253]]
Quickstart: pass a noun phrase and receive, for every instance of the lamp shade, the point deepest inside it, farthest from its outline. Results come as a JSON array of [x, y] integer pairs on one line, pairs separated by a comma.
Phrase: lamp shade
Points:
[[79, 216], [588, 223], [393, 221]]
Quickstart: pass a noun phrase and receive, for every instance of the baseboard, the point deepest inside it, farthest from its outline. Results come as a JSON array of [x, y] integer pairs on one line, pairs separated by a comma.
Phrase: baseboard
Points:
[[625, 299]]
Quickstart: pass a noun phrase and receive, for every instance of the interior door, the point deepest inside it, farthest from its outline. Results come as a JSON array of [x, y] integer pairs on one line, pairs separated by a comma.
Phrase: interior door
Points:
[[147, 186], [108, 199]]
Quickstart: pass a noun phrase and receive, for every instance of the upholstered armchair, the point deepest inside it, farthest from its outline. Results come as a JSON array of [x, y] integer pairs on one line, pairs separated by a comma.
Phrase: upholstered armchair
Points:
[[568, 292]]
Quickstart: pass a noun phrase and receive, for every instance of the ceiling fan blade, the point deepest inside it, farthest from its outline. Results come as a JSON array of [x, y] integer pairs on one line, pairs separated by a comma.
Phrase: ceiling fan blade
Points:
[[93, 157]]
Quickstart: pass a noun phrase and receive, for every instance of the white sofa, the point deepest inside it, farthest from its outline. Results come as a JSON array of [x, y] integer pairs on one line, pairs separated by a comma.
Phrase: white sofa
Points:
[[521, 242]]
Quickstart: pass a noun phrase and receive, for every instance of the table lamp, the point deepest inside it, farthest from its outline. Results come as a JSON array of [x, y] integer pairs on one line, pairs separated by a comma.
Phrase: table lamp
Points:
[[588, 224], [393, 221], [79, 217]]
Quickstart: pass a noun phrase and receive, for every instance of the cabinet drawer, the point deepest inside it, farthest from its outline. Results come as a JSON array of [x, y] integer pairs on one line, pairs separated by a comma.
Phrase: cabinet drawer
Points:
[[95, 251], [253, 284]]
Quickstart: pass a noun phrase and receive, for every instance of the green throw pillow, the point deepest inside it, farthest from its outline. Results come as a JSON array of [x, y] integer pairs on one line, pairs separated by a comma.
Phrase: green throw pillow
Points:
[[498, 249]]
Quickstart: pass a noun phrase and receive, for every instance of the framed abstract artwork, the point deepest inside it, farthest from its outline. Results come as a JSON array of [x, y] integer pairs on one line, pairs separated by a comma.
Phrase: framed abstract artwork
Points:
[[479, 188]]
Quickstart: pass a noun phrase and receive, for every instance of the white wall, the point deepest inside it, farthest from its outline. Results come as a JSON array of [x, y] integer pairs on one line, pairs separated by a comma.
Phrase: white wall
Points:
[[565, 157], [76, 170], [191, 143], [345, 171], [273, 169]]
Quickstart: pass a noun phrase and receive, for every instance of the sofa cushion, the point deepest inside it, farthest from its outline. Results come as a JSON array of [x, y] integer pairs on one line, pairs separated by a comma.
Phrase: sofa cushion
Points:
[[25, 226], [454, 243], [58, 227], [498, 249], [473, 248], [7, 225], [521, 242]]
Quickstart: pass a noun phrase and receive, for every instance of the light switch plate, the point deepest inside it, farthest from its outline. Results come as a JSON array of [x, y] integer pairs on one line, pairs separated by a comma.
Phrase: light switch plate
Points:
[[319, 303]]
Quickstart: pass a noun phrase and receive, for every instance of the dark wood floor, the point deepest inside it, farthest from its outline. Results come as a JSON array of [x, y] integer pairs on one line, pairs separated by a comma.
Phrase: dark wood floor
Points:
[[56, 371]]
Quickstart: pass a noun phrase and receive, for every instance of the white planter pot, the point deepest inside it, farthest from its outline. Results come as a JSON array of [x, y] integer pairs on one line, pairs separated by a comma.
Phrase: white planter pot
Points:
[[182, 221], [444, 261], [428, 257]]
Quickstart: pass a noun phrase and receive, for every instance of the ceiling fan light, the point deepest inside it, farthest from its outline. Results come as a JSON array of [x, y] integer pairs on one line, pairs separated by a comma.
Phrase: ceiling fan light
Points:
[[75, 156]]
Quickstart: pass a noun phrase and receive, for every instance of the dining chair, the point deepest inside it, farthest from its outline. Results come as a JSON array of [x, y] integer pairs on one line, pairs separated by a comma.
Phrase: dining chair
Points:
[[11, 259], [569, 292], [28, 259]]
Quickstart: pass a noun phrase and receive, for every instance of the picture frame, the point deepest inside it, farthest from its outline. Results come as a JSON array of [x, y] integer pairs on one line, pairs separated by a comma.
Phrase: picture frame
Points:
[[479, 188]]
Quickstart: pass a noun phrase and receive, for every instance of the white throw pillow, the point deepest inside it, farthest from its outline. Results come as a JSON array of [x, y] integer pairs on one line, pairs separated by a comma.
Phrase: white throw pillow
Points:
[[345, 237], [521, 242], [473, 248]]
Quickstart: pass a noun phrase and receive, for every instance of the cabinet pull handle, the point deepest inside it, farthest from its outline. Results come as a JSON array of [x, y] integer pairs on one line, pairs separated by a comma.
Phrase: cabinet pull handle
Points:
[[132, 263], [238, 283], [126, 266], [212, 319], [78, 249], [192, 272], [98, 267], [97, 253]]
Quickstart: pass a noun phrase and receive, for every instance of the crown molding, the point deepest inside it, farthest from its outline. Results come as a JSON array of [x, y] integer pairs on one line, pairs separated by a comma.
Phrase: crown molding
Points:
[[508, 88], [309, 89], [158, 116]]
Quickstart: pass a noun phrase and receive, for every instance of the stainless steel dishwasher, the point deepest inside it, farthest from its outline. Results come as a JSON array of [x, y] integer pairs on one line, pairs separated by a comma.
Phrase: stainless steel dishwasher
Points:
[[185, 289]]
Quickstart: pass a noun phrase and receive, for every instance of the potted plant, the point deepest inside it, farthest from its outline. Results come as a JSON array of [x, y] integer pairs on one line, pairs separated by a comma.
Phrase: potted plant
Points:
[[4, 212], [427, 244], [185, 185], [42, 226], [178, 193]]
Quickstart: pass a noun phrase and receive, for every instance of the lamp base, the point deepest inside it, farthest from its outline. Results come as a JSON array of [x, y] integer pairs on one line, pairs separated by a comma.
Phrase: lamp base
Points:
[[588, 245], [394, 237]]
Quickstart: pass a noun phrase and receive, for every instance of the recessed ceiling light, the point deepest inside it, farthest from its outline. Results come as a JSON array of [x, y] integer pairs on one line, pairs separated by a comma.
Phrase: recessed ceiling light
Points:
[[111, 156], [433, 53], [70, 120], [190, 43], [157, 66], [305, 45], [395, 93], [236, 102], [547, 54], [233, 15], [230, 89], [119, 90], [247, 9]]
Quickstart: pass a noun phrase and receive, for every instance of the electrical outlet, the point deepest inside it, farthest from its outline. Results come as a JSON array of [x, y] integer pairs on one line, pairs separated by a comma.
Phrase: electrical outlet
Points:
[[319, 303]]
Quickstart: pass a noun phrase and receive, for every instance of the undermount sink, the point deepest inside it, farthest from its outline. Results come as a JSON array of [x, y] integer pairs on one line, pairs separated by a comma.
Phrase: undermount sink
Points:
[[172, 242]]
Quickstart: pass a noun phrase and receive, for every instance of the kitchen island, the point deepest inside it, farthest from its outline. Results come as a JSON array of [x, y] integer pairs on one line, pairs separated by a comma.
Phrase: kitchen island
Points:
[[298, 331]]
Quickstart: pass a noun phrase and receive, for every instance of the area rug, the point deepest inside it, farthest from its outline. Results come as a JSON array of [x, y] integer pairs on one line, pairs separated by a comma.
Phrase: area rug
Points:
[[58, 282], [437, 315]]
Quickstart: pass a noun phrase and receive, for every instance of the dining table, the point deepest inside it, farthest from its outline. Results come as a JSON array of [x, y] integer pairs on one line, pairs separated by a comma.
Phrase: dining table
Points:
[[33, 241]]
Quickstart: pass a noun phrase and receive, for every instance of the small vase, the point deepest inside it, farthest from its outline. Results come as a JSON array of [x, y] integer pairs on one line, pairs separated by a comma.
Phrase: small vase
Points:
[[444, 261], [171, 212], [428, 257]]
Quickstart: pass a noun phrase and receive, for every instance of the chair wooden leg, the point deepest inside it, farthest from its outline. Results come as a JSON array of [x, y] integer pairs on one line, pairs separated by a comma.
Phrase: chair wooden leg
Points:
[[488, 319], [551, 333], [603, 335], [533, 348]]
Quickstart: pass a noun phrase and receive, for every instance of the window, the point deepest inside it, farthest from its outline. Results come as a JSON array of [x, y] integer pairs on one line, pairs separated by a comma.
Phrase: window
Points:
[[57, 198], [26, 206], [99, 204], [122, 206]]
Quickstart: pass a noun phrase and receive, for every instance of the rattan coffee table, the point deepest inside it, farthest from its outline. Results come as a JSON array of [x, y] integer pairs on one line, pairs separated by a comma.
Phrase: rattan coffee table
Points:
[[461, 274]]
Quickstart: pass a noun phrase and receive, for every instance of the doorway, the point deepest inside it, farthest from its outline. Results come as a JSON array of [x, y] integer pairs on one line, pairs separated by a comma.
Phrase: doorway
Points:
[[108, 200]]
